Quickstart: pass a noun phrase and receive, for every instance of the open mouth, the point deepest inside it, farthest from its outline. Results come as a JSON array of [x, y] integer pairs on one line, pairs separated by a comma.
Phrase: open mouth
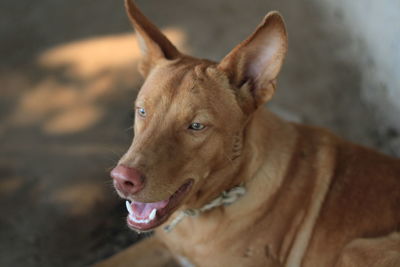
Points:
[[146, 216]]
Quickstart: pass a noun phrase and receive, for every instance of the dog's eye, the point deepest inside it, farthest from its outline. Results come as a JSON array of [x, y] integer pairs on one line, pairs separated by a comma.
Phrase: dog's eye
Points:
[[196, 126], [141, 112]]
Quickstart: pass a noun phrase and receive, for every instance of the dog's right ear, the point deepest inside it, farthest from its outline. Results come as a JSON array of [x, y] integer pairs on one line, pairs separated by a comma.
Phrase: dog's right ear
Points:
[[153, 43]]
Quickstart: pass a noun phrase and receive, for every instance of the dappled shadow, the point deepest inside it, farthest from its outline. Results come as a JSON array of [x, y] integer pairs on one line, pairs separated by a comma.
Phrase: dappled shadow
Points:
[[67, 118], [80, 79]]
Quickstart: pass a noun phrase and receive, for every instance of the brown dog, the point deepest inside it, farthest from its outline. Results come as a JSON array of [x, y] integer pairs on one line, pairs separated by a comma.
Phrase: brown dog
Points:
[[312, 199]]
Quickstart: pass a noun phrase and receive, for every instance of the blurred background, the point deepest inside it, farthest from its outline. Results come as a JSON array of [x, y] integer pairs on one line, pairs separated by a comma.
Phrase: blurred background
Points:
[[68, 80]]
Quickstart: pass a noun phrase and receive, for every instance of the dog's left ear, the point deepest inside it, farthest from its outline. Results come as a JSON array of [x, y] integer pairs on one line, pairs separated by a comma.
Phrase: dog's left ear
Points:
[[254, 64], [153, 43]]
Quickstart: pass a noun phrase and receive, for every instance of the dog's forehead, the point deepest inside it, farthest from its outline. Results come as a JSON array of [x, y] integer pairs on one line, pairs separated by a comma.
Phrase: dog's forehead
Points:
[[193, 85]]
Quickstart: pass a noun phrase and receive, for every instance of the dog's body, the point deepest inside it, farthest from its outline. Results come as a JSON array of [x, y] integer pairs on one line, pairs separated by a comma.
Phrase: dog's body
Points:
[[309, 195], [312, 198]]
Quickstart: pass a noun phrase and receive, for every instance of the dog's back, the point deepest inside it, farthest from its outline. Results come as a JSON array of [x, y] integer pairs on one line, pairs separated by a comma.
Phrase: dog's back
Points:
[[363, 201]]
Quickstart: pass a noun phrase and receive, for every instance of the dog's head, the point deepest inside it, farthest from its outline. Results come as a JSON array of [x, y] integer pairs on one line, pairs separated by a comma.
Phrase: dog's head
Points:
[[191, 115]]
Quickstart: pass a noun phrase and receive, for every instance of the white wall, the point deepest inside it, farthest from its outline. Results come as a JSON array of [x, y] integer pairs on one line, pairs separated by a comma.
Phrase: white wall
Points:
[[375, 27]]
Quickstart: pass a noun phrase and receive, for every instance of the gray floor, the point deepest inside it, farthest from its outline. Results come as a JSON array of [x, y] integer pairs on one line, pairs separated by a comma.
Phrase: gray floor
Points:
[[66, 107]]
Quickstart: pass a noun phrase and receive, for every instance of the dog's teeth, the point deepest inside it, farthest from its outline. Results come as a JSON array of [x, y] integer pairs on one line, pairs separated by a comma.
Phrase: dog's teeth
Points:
[[138, 220], [152, 214], [128, 207], [132, 217]]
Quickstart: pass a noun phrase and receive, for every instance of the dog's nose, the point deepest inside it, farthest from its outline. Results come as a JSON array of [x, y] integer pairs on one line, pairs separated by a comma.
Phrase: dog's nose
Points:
[[128, 180]]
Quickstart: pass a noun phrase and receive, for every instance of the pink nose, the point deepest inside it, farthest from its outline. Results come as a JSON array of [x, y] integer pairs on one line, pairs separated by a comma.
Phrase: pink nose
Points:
[[127, 180]]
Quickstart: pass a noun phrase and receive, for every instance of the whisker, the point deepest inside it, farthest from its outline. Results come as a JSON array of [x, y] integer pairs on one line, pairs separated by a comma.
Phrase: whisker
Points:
[[129, 128]]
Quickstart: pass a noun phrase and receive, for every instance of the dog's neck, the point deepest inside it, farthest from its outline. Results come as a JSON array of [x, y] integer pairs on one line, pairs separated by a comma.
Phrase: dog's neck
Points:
[[265, 140]]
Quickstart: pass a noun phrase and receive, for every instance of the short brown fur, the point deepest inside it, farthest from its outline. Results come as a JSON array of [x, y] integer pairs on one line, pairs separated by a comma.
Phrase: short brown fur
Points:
[[312, 198]]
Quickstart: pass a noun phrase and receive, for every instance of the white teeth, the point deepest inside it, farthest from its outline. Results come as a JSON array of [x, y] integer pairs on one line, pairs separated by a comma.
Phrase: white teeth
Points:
[[132, 217], [128, 207], [152, 214]]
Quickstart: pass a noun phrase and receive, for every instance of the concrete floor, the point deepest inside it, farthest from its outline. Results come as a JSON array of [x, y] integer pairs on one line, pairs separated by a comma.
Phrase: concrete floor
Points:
[[68, 80]]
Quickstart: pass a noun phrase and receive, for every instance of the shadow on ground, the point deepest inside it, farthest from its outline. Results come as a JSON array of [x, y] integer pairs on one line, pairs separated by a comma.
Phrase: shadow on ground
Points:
[[68, 81]]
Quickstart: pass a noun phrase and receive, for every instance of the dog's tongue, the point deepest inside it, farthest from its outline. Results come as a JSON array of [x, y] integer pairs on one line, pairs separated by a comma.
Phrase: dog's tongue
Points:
[[142, 210]]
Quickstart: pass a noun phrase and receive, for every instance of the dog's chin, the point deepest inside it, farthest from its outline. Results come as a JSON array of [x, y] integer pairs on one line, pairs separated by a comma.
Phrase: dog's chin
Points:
[[144, 216]]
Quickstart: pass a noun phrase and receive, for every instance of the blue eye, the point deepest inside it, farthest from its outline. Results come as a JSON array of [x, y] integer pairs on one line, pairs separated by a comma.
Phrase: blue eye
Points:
[[141, 112], [196, 126]]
